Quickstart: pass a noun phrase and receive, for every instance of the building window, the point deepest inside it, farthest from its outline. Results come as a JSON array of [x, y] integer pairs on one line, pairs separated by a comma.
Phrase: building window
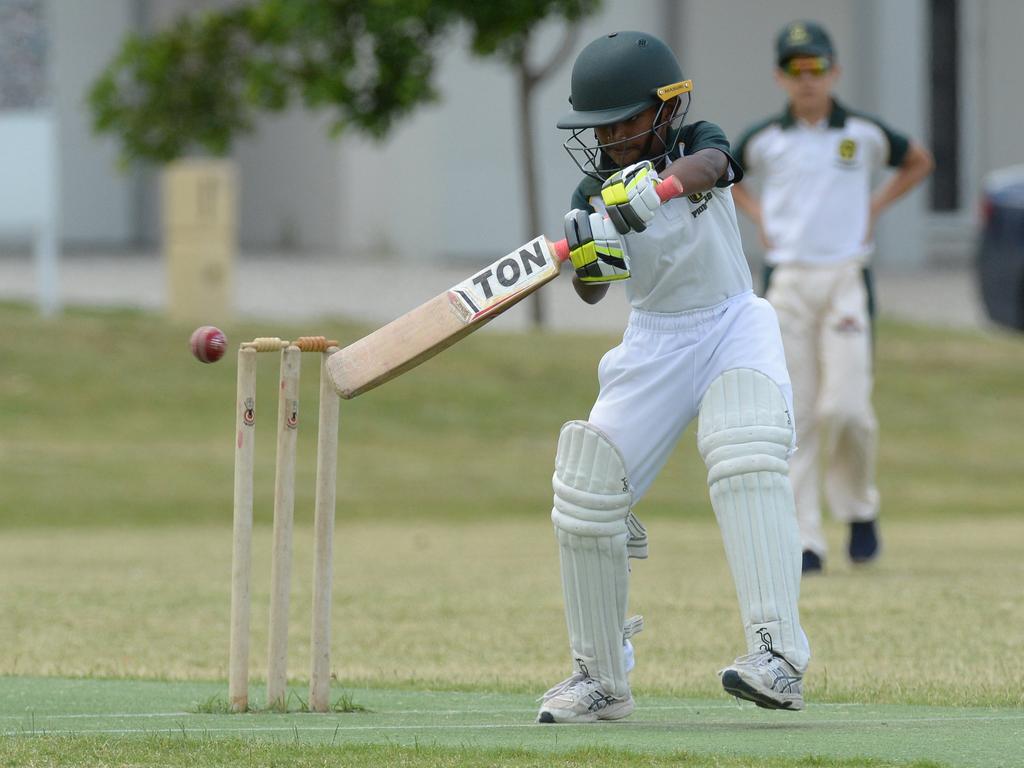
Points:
[[945, 104]]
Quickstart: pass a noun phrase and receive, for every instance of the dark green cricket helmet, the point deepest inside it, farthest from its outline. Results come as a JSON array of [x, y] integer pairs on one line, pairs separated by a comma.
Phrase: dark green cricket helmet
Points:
[[618, 76], [615, 78]]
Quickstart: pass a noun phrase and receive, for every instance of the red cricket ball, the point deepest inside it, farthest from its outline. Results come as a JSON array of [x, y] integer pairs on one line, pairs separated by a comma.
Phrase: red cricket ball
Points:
[[208, 344]]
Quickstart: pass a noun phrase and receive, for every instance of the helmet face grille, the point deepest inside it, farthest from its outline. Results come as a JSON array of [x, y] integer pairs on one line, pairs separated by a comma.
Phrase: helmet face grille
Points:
[[592, 158], [615, 78]]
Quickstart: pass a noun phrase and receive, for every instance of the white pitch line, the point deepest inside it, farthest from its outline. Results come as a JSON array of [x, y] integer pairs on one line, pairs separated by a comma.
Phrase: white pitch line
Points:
[[493, 726], [396, 712], [277, 728], [390, 712], [82, 715]]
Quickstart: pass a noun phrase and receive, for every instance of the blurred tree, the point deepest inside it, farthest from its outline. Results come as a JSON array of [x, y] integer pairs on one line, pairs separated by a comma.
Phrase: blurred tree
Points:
[[198, 84], [507, 29]]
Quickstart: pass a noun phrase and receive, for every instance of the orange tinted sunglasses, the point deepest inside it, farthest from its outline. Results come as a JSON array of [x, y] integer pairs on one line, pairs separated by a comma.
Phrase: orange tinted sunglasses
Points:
[[816, 65]]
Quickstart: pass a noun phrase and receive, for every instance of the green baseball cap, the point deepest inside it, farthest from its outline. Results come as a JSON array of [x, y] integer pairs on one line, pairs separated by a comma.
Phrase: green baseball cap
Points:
[[802, 38]]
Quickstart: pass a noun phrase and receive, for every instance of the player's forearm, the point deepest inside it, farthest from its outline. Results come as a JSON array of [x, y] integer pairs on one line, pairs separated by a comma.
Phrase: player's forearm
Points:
[[700, 171], [915, 169]]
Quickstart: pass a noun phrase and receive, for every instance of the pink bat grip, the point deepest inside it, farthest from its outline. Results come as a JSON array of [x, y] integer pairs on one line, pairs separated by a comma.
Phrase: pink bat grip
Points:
[[669, 188]]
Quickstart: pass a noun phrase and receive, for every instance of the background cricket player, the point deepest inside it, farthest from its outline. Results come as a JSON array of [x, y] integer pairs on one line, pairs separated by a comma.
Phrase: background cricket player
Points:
[[816, 217], [699, 343]]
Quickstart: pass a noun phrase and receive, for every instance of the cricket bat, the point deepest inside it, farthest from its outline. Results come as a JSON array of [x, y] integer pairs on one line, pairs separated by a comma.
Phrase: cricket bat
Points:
[[421, 333]]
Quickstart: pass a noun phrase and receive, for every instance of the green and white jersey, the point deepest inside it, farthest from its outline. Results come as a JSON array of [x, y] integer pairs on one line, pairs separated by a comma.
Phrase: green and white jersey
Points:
[[690, 256], [816, 193]]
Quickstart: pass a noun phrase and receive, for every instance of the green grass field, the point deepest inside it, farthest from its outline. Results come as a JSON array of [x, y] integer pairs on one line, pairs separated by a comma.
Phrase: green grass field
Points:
[[115, 538]]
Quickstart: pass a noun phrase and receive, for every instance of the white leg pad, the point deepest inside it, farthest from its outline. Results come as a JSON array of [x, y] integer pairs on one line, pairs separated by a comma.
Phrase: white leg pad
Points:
[[592, 501], [744, 436]]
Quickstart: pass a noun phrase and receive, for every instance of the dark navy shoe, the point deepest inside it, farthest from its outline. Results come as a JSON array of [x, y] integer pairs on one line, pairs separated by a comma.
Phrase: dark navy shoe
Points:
[[863, 541], [812, 562]]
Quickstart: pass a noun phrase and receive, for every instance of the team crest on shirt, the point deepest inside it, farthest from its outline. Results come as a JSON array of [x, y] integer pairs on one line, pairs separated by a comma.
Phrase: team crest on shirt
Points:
[[701, 200], [847, 153]]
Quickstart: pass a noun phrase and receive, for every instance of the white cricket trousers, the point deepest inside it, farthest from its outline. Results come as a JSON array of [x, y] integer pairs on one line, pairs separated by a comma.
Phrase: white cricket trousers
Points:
[[653, 382], [826, 330]]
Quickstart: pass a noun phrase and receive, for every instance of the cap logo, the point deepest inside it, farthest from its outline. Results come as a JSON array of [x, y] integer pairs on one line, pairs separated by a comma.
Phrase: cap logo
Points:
[[798, 35]]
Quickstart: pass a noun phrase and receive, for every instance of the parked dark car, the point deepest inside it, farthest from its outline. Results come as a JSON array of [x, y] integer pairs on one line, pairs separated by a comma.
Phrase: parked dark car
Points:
[[1001, 253]]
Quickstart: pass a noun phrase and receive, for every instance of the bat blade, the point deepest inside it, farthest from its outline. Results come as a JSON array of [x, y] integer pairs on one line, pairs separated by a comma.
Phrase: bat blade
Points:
[[421, 333]]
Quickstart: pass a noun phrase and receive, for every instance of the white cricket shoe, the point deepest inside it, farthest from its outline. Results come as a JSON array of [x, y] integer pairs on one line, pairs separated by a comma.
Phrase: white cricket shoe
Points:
[[765, 679], [582, 699]]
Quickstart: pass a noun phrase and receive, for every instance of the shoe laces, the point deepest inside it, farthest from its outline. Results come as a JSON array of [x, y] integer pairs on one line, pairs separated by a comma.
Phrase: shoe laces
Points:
[[758, 659], [633, 626], [776, 666], [565, 685]]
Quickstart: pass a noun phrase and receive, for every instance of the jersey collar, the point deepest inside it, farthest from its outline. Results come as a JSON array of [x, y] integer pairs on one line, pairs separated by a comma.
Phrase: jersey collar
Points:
[[836, 117]]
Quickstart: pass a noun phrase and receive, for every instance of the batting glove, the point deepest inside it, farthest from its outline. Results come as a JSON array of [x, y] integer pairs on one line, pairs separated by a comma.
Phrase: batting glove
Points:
[[595, 248], [630, 197]]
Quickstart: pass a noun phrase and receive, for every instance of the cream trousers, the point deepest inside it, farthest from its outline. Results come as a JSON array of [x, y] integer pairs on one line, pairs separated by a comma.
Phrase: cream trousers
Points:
[[826, 332]]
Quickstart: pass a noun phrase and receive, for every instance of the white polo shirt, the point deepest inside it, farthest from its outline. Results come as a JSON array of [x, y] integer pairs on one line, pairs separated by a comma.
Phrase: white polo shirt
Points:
[[816, 190]]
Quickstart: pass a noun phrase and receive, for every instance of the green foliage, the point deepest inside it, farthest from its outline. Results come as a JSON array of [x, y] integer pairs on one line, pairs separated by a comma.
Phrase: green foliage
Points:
[[186, 88], [215, 704], [370, 61], [200, 83], [346, 703], [502, 28]]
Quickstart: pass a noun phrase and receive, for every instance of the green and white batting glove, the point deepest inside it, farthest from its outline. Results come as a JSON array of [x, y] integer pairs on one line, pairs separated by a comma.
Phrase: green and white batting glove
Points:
[[631, 198], [595, 248]]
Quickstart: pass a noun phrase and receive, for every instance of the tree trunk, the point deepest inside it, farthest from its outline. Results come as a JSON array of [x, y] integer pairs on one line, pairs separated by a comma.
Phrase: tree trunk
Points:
[[527, 153], [527, 80]]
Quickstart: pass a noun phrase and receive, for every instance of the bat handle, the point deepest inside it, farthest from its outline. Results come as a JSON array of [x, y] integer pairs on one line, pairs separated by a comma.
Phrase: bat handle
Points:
[[667, 189]]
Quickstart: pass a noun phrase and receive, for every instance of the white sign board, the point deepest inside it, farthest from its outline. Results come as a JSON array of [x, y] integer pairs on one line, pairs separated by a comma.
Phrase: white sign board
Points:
[[28, 193]]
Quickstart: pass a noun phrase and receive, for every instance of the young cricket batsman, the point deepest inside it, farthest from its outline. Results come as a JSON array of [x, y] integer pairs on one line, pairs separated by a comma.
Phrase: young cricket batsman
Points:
[[699, 344]]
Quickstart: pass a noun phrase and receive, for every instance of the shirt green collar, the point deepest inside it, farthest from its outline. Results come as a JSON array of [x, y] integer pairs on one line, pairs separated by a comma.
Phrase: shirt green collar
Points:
[[836, 117]]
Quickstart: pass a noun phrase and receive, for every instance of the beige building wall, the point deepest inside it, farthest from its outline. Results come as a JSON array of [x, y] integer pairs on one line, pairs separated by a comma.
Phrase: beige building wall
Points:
[[998, 26], [96, 198], [453, 172], [728, 48], [447, 183]]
